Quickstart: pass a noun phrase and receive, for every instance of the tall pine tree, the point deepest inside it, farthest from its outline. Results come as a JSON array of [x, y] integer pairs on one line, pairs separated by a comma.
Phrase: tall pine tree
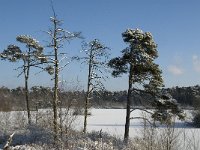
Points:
[[137, 61]]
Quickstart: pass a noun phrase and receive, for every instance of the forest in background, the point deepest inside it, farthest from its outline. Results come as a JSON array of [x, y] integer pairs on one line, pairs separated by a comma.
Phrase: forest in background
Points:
[[42, 97]]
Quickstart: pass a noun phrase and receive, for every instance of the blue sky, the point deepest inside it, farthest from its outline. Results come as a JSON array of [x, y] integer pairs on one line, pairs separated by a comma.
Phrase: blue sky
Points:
[[175, 25]]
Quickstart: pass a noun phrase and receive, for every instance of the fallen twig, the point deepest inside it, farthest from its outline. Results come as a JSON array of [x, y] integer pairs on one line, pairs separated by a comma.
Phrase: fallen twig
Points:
[[6, 147]]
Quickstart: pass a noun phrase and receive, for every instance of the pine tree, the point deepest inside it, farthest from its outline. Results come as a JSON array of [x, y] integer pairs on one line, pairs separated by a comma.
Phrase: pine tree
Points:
[[31, 57], [137, 61]]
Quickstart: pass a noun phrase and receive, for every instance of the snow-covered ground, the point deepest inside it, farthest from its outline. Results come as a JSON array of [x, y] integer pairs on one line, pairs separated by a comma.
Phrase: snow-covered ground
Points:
[[112, 121], [107, 120]]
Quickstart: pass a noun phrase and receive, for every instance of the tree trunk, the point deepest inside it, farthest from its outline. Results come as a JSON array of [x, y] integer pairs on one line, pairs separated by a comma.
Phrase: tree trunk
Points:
[[55, 103], [128, 108], [55, 99], [27, 100], [26, 70], [26, 77], [85, 114], [88, 92]]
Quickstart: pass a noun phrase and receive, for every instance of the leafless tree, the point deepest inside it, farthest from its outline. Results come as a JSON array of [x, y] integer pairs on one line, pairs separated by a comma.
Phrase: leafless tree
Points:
[[96, 59], [57, 38]]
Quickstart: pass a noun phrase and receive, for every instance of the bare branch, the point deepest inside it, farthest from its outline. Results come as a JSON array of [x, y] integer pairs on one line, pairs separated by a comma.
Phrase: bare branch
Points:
[[142, 109], [143, 119]]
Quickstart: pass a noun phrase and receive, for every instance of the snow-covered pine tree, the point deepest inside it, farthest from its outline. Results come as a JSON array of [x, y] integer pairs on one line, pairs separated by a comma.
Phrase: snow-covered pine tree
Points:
[[137, 61], [32, 56]]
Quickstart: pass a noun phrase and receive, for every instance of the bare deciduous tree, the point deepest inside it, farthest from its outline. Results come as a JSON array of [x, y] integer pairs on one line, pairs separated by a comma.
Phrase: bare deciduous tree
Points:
[[96, 59], [57, 36]]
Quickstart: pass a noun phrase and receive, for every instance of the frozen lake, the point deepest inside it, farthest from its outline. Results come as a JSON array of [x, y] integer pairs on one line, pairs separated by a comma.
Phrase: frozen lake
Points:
[[113, 121]]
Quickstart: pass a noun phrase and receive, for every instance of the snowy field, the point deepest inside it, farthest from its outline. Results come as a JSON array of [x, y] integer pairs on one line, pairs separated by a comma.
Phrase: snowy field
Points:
[[107, 120], [112, 121]]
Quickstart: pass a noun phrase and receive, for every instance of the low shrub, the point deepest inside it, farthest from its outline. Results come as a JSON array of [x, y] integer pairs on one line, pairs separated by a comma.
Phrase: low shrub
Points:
[[80, 112], [196, 119]]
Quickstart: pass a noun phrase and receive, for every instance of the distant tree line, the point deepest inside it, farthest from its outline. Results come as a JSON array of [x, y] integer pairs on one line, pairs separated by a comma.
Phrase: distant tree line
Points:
[[41, 97], [186, 96]]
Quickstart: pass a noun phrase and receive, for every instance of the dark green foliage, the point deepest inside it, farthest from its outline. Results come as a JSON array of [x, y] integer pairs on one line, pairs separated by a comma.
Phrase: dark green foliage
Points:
[[49, 69], [138, 58], [120, 66], [12, 53], [166, 109], [31, 57], [196, 119]]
